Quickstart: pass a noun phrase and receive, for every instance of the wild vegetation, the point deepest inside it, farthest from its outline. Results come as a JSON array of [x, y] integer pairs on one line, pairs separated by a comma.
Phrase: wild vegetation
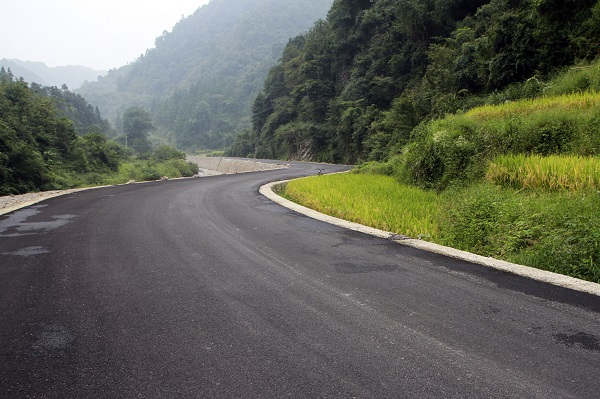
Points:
[[41, 150], [517, 181], [85, 118], [459, 146], [355, 87], [484, 113]]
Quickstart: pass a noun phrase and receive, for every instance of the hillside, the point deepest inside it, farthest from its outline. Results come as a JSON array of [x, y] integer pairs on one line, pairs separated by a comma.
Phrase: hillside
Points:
[[201, 78], [72, 75], [517, 181], [354, 87]]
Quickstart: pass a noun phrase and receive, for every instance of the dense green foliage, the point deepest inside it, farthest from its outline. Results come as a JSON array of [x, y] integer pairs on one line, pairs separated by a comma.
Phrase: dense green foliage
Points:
[[199, 81], [38, 145], [516, 181], [40, 150], [556, 231], [32, 138], [564, 119], [459, 146], [86, 118], [354, 87]]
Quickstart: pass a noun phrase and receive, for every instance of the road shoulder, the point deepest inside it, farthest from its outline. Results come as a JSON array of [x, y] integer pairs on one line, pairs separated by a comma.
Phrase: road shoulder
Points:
[[535, 274]]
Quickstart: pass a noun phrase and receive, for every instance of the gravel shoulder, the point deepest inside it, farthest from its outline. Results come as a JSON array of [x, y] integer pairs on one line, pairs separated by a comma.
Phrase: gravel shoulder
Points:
[[11, 203]]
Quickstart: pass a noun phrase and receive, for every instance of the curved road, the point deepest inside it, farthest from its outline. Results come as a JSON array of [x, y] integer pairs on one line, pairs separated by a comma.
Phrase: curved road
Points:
[[202, 288]]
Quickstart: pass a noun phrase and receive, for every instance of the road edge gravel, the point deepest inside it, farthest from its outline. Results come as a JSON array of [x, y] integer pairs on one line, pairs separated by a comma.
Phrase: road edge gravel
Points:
[[13, 203], [25, 200], [524, 271]]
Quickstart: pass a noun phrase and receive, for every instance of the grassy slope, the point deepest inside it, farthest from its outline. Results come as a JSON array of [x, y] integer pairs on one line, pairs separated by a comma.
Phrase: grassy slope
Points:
[[519, 182]]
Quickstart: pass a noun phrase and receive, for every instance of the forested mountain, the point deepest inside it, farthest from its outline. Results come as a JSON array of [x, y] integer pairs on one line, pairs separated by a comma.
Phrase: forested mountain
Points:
[[39, 147], [72, 75], [356, 85], [200, 79], [84, 117]]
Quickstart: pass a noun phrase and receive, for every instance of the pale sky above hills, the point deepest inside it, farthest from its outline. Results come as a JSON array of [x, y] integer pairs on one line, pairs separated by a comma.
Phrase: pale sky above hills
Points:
[[98, 34]]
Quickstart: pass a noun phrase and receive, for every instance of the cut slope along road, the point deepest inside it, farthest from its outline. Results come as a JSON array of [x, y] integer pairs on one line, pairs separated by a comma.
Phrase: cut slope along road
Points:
[[205, 288]]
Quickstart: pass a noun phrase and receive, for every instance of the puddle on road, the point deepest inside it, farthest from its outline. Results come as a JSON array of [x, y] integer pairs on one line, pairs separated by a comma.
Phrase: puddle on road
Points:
[[17, 222], [18, 217], [28, 251], [580, 339], [58, 221], [51, 339]]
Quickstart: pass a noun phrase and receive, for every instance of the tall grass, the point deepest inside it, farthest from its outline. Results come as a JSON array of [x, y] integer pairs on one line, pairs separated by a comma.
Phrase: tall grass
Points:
[[556, 172], [583, 77], [557, 231], [374, 200], [460, 146], [565, 102]]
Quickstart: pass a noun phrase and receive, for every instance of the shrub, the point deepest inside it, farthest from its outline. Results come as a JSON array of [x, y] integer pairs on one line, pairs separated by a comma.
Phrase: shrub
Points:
[[177, 168], [459, 147], [164, 152], [559, 231]]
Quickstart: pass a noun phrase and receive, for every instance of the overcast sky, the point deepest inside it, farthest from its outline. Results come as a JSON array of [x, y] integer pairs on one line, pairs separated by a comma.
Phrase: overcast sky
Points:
[[102, 34]]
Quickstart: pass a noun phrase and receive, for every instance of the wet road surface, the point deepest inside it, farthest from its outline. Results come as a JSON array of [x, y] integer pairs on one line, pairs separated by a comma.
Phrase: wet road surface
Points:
[[202, 288]]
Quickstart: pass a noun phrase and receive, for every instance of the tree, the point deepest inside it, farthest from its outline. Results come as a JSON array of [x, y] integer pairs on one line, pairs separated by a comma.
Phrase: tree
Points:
[[34, 140], [137, 123]]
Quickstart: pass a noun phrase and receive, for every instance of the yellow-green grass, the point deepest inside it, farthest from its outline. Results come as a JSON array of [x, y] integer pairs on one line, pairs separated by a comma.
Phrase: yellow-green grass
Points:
[[373, 200], [460, 146], [557, 231], [566, 102], [525, 124], [555, 172]]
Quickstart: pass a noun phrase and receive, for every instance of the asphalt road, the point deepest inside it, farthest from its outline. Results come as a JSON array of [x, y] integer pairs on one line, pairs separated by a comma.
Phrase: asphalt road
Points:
[[202, 288]]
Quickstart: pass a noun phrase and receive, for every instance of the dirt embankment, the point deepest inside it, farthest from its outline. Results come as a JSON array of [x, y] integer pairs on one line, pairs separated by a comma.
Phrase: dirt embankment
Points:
[[222, 165]]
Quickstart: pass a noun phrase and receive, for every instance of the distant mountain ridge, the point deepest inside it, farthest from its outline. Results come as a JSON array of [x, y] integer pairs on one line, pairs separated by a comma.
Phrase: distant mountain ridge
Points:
[[72, 75], [201, 78]]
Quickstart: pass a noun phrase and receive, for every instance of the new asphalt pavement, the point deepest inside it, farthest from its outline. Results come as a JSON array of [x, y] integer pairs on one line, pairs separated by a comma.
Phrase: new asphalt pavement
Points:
[[204, 288]]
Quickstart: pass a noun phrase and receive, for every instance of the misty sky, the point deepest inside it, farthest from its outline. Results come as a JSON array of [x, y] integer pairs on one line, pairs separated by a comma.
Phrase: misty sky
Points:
[[102, 34]]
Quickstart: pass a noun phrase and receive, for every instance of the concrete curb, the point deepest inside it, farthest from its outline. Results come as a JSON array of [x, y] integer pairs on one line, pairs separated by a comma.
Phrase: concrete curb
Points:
[[525, 271]]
